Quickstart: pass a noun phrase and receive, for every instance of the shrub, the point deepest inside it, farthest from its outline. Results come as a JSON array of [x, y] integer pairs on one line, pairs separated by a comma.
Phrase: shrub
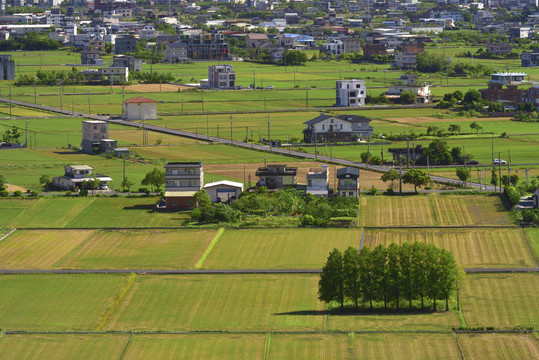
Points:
[[34, 194], [4, 193], [512, 194], [17, 193], [307, 220]]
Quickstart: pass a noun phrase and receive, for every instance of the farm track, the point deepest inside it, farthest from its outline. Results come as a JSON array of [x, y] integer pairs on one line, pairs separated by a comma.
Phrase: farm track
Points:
[[265, 148], [223, 271]]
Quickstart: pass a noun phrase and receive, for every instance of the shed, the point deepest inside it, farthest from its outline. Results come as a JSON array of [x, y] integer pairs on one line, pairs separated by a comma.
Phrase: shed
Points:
[[223, 191], [140, 108]]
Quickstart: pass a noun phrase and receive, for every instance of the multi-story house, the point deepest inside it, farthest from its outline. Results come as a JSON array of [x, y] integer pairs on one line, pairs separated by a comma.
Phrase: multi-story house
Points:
[[318, 181], [206, 46], [276, 176], [90, 57], [77, 176], [348, 184], [350, 93], [182, 181], [221, 77], [333, 46], [499, 48], [339, 128], [176, 53], [92, 132], [125, 44], [127, 61], [405, 61], [409, 83], [529, 59], [511, 95], [7, 68]]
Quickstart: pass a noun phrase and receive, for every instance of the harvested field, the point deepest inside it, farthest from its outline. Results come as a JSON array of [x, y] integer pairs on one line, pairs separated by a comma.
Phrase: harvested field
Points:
[[393, 321], [499, 346], [405, 346], [56, 302], [196, 347], [501, 300], [225, 302], [153, 88], [134, 137], [38, 249], [311, 346], [278, 248], [11, 208], [62, 346], [396, 211], [12, 188], [472, 248], [470, 210], [141, 249]]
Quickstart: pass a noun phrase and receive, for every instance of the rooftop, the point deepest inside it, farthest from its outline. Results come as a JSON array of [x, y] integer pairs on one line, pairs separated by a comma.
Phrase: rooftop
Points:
[[140, 100]]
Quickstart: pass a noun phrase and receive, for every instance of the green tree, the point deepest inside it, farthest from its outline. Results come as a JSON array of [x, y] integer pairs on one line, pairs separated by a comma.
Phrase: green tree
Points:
[[352, 284], [11, 136], [331, 284], [431, 62], [454, 128], [202, 198], [154, 178], [390, 175], [494, 177], [448, 267], [405, 261], [416, 177], [456, 154], [438, 153], [127, 184], [408, 97], [471, 96], [380, 274], [419, 277], [294, 58], [513, 179], [433, 272], [475, 126], [366, 275], [45, 180], [394, 273], [93, 183], [463, 174]]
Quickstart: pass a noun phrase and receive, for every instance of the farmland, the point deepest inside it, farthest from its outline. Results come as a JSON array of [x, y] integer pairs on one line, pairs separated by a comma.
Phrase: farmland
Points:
[[472, 248], [499, 346]]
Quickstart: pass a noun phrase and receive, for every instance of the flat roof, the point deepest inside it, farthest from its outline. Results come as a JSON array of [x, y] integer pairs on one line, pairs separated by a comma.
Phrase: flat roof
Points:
[[179, 193]]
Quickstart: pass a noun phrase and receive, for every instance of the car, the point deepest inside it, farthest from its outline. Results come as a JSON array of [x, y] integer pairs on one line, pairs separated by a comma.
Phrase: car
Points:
[[499, 162], [270, 87], [472, 162]]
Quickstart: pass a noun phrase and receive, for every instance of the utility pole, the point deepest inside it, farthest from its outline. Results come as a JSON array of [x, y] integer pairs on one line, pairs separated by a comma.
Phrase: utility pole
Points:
[[61, 101], [400, 174], [269, 133], [10, 101], [500, 172], [231, 141], [428, 166], [35, 92], [407, 152], [207, 126], [202, 93], [123, 99], [492, 150], [26, 136], [306, 97], [124, 168], [368, 150], [218, 133], [89, 109]]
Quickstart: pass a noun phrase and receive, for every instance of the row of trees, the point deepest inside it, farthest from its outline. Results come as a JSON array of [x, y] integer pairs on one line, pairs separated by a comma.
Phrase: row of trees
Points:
[[53, 77], [390, 275], [30, 42]]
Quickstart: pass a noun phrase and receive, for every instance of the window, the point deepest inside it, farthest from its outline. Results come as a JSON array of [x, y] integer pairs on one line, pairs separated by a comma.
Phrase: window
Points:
[[323, 127], [189, 203], [341, 126], [174, 203], [192, 183], [351, 193], [309, 182]]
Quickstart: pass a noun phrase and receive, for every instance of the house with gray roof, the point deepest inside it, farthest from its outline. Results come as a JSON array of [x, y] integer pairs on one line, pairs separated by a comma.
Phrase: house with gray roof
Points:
[[336, 128]]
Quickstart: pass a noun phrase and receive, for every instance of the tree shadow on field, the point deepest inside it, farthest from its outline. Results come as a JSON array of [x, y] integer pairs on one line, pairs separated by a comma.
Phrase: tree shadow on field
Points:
[[70, 153], [148, 207], [350, 310]]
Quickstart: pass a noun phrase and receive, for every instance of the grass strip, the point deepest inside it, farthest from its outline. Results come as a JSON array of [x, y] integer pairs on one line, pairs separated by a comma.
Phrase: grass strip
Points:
[[2, 336], [455, 336], [351, 344], [106, 316], [431, 202], [210, 246], [267, 346], [461, 318], [72, 252], [8, 233], [127, 346], [527, 243]]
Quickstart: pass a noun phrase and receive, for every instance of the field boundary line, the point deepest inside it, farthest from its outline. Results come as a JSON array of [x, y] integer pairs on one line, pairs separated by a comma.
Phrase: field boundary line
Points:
[[267, 345], [351, 344], [445, 227], [7, 234], [2, 336], [362, 238], [456, 338], [225, 271], [108, 313], [209, 248], [527, 243], [75, 250], [433, 208], [126, 346]]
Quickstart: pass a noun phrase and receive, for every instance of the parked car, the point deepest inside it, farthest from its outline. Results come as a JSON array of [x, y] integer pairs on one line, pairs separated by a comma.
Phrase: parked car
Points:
[[499, 162], [472, 162]]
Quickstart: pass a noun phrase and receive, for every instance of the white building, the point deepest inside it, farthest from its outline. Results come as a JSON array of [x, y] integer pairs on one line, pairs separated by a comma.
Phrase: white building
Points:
[[140, 108], [76, 176], [318, 180], [350, 93], [223, 191], [409, 83], [115, 73], [221, 77], [333, 46]]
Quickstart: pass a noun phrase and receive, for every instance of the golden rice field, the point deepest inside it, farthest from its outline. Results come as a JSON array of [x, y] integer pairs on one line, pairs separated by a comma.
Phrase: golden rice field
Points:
[[196, 347], [396, 211], [278, 248], [472, 248], [309, 346], [470, 210], [405, 346], [62, 346], [501, 300], [39, 249], [499, 346], [224, 302], [141, 249]]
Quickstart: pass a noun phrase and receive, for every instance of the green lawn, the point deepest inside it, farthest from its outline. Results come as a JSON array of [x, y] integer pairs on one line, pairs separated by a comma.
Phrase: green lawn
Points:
[[224, 302], [56, 302], [62, 346], [278, 248]]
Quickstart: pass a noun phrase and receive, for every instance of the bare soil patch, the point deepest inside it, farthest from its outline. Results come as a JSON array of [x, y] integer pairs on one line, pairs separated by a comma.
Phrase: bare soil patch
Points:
[[150, 88]]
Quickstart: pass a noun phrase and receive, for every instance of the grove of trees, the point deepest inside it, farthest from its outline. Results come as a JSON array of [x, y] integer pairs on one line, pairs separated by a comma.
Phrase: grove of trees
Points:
[[389, 276]]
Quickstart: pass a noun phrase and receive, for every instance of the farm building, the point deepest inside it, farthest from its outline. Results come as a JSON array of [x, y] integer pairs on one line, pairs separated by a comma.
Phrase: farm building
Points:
[[339, 128], [140, 108], [224, 191], [317, 181], [276, 176], [348, 184], [75, 176], [535, 199], [182, 181]]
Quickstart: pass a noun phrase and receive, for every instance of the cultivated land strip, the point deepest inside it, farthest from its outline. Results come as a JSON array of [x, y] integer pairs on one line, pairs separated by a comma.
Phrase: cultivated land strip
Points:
[[210, 247], [7, 234], [529, 247], [225, 271], [72, 252], [242, 144]]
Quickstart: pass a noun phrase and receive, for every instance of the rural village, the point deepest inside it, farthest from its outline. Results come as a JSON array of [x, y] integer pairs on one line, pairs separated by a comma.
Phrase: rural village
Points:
[[265, 179]]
